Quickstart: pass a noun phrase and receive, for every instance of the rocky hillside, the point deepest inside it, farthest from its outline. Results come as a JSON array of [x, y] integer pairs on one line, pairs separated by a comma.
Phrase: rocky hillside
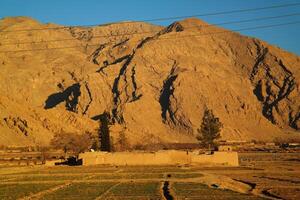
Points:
[[154, 81]]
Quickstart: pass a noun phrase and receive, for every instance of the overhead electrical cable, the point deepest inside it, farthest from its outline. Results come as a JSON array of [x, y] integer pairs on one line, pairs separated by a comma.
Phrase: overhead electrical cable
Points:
[[168, 18], [148, 32], [165, 38]]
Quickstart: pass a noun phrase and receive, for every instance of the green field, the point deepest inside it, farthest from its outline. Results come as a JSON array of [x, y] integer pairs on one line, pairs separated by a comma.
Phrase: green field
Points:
[[87, 191], [138, 183], [136, 191], [103, 182], [15, 191]]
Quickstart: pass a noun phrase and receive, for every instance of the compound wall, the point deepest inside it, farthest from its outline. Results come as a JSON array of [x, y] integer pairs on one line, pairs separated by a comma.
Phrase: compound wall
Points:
[[168, 157]]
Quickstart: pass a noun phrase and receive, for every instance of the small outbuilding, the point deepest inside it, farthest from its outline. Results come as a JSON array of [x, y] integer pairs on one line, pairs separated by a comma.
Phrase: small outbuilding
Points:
[[225, 148]]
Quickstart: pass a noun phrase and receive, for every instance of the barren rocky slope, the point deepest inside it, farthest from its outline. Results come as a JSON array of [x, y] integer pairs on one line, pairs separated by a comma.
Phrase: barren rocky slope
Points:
[[154, 81]]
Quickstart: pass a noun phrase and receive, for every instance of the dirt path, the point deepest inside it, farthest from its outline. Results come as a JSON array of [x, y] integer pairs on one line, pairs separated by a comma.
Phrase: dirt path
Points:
[[40, 195], [105, 194]]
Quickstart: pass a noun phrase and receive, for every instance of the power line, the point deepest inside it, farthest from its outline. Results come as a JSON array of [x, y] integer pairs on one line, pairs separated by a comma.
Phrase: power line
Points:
[[147, 32], [225, 12], [236, 30], [165, 38], [167, 18], [255, 19]]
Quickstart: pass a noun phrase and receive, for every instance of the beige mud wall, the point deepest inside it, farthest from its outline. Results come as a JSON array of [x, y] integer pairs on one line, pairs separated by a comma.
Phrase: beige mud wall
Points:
[[222, 158], [170, 157]]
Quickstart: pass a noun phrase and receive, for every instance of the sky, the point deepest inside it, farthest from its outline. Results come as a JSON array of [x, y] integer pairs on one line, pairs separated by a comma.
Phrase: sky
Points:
[[86, 12]]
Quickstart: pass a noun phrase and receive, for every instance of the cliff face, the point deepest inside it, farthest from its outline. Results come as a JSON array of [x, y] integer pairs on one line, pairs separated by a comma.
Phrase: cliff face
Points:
[[154, 81]]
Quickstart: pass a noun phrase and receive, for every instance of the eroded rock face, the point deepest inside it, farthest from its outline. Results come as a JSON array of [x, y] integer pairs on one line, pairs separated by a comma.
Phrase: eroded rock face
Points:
[[276, 87], [18, 124], [154, 81]]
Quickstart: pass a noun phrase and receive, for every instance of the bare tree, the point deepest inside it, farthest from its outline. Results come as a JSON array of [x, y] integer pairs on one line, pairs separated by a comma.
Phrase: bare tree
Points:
[[70, 142], [122, 142]]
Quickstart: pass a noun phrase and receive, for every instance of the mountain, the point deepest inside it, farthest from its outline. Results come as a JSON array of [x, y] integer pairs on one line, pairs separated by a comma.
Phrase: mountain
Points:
[[154, 81]]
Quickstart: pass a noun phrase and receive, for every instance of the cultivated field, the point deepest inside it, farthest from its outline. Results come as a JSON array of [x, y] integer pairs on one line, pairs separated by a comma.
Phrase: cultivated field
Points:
[[260, 176]]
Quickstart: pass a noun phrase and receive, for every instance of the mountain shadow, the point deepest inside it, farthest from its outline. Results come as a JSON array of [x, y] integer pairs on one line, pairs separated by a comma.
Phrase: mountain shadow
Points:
[[69, 96]]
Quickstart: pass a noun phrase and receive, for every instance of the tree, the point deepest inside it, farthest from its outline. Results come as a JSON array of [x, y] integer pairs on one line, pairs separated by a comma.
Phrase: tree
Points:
[[104, 132], [44, 153], [122, 142], [70, 142], [209, 130]]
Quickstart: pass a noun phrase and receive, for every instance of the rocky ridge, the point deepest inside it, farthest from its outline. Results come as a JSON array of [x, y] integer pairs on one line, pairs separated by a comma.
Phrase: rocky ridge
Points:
[[154, 81]]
